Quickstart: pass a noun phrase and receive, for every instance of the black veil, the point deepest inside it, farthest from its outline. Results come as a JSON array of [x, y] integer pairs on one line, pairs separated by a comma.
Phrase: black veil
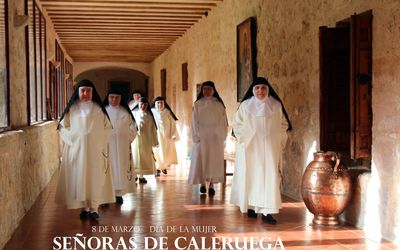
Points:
[[75, 98], [215, 94], [122, 103], [160, 98], [144, 100], [271, 92]]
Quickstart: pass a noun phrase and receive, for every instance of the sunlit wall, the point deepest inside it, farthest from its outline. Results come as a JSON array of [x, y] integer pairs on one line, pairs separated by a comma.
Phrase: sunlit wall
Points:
[[288, 54]]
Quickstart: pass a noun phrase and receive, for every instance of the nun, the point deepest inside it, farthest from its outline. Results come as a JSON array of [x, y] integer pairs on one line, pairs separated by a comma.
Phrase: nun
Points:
[[260, 126], [85, 179], [146, 139], [123, 133], [167, 134], [209, 131], [134, 100]]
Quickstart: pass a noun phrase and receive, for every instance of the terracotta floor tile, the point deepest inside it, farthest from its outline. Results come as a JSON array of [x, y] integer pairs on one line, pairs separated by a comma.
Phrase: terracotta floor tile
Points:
[[168, 209]]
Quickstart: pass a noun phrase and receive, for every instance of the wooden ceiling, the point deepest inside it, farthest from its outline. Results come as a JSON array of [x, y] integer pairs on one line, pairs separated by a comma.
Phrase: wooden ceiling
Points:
[[122, 30]]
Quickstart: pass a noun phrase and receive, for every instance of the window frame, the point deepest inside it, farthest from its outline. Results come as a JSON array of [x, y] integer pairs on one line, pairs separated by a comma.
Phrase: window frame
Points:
[[69, 76], [60, 94], [7, 66], [39, 72], [56, 101], [163, 80]]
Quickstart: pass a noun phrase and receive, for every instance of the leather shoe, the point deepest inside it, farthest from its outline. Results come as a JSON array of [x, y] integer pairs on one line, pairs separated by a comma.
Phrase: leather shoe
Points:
[[269, 219], [203, 189], [142, 180], [164, 171], [251, 213], [158, 173], [94, 216], [84, 215], [211, 191], [119, 200]]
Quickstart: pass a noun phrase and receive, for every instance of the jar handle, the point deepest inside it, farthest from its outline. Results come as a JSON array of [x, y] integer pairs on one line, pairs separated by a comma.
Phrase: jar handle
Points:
[[336, 159]]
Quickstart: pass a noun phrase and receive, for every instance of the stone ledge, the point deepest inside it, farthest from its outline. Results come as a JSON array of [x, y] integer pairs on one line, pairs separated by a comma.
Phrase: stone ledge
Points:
[[11, 136]]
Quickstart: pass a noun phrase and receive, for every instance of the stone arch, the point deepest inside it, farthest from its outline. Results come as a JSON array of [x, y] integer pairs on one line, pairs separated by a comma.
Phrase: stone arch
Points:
[[125, 79]]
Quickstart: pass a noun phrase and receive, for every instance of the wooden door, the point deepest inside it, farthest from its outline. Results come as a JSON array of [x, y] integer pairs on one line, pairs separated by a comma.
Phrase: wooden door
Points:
[[334, 89], [361, 85]]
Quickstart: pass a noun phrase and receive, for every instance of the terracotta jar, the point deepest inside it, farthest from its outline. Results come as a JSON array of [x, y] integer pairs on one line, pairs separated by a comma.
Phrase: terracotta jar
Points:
[[326, 188]]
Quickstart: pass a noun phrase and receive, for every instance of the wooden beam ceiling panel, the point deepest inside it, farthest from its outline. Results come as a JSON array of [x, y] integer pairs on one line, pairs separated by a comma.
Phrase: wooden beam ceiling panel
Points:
[[120, 29], [123, 30], [121, 26], [129, 2], [123, 40], [129, 18], [134, 10], [123, 12]]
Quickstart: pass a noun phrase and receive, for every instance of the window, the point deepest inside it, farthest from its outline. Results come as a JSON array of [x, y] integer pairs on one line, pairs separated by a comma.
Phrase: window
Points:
[[60, 80], [69, 79], [4, 86], [164, 83], [185, 77], [36, 64]]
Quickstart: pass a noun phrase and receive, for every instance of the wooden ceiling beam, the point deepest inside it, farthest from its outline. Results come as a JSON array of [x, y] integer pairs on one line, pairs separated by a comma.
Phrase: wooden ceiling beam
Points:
[[115, 36], [147, 59], [122, 30], [125, 42], [119, 48], [126, 32], [136, 1], [119, 26], [112, 29], [142, 39], [122, 58], [64, 12], [129, 3], [81, 52], [119, 29], [126, 8], [123, 22], [148, 18]]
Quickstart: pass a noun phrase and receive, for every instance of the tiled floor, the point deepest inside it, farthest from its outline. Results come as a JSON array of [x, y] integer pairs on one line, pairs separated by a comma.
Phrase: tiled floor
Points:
[[168, 212]]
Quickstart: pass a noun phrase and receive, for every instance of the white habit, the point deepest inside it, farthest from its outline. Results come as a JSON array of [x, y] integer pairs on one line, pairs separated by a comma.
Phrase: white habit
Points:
[[132, 104], [165, 153], [142, 146], [261, 137], [85, 175], [209, 130], [123, 133]]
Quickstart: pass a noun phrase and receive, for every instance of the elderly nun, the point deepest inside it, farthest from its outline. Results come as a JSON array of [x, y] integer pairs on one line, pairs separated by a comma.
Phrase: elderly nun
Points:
[[260, 126], [85, 176]]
